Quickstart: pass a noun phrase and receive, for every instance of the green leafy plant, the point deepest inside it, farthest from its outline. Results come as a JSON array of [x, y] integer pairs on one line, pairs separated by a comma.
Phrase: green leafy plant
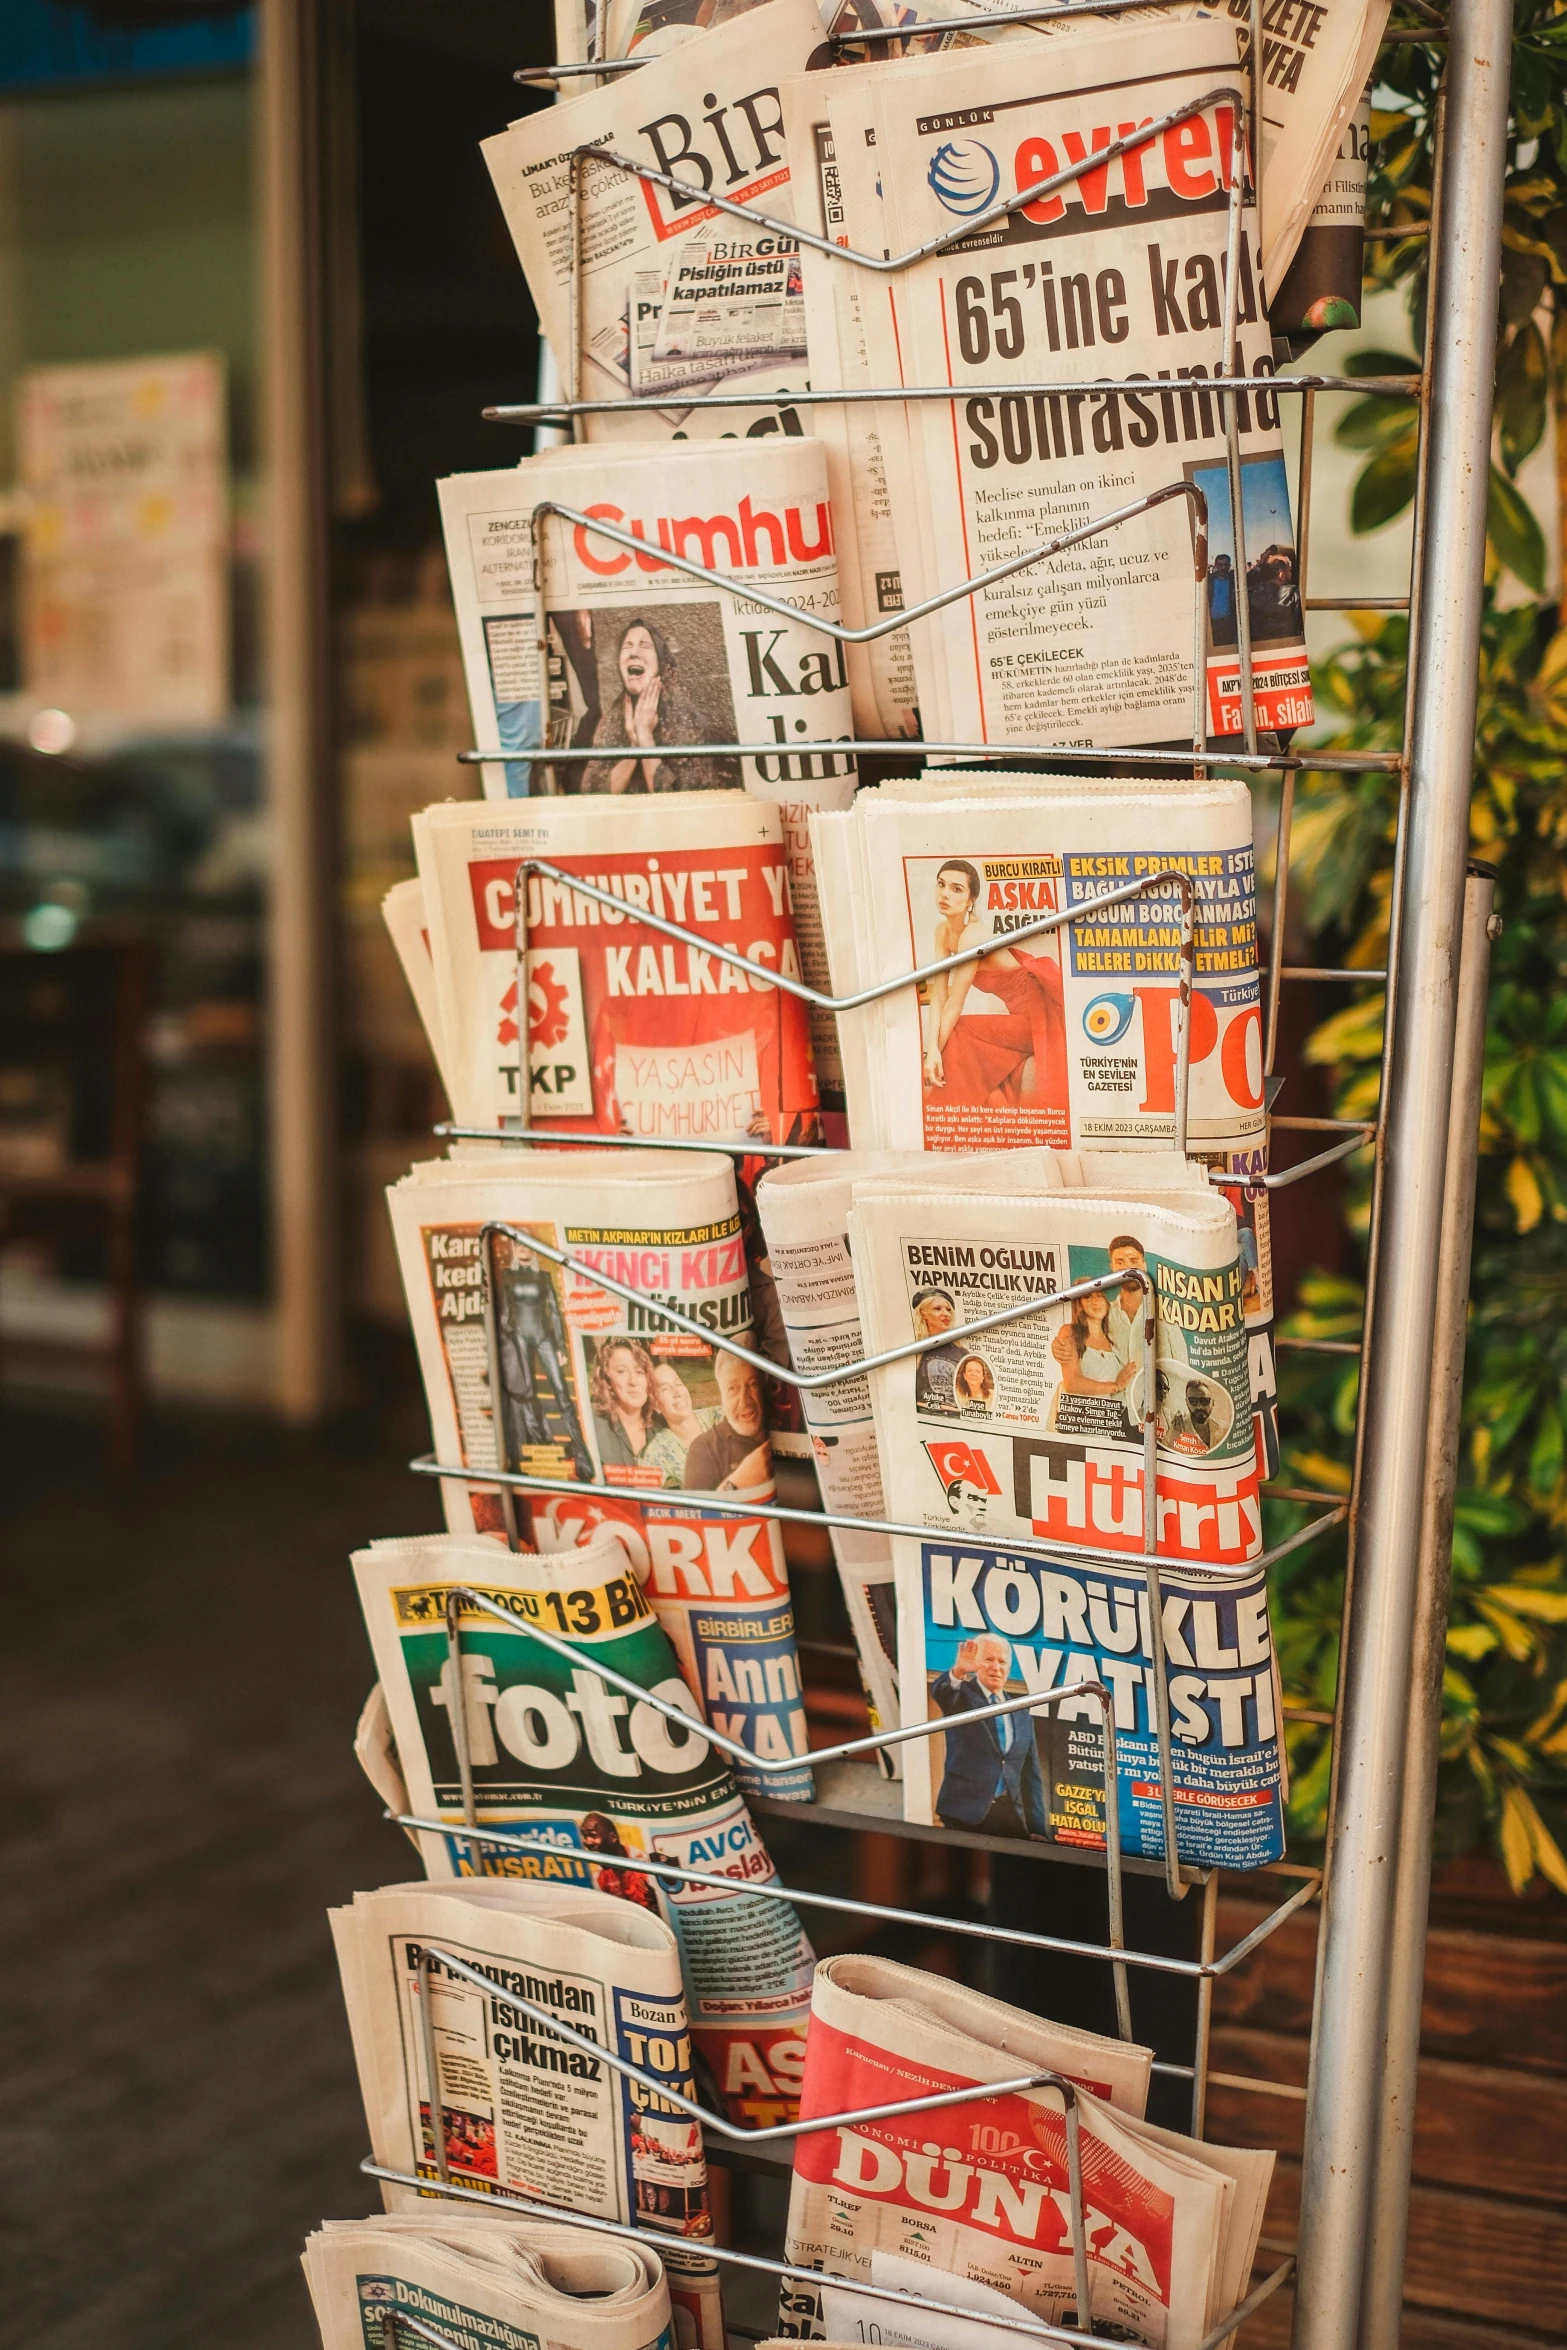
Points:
[[1504, 1727]]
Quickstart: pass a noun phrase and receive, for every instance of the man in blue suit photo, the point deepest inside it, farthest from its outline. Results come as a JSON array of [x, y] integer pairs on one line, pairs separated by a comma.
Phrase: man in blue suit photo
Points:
[[992, 1778]]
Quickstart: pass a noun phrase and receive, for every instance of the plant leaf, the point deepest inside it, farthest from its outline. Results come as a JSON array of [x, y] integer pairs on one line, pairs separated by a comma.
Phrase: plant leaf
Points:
[[1549, 1606], [1523, 1189], [1381, 363], [1375, 422], [1516, 1838], [1510, 525], [1520, 395], [1384, 487]]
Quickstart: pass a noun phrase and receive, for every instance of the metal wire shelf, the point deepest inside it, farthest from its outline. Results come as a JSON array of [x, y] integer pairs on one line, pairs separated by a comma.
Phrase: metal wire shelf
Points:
[[1358, 2114], [1078, 2337]]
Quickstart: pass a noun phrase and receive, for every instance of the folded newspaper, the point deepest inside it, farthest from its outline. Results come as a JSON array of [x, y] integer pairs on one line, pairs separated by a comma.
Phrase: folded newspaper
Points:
[[521, 2110], [628, 1032], [504, 2283], [1172, 2223], [602, 1390], [597, 1784], [804, 1211], [1072, 1037], [1094, 645], [1035, 1429], [704, 112], [402, 910]]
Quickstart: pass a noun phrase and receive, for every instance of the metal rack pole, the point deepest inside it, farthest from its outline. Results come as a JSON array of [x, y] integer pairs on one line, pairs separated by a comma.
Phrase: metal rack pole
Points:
[[1382, 2297], [1363, 1843]]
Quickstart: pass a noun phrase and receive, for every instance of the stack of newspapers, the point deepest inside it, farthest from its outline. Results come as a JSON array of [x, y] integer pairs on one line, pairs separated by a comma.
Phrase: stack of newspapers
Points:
[[879, 1148]]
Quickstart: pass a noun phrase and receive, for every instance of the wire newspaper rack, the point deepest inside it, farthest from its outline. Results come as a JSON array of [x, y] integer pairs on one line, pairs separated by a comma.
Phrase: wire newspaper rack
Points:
[[1359, 2100]]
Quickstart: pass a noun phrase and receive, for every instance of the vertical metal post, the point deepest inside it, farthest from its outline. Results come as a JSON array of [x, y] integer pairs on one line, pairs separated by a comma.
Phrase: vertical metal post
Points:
[[301, 906], [1200, 2053], [1344, 2090], [1382, 2294]]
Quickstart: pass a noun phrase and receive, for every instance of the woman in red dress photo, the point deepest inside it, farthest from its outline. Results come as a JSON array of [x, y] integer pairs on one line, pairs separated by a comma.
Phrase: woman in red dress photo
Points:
[[1015, 1058]]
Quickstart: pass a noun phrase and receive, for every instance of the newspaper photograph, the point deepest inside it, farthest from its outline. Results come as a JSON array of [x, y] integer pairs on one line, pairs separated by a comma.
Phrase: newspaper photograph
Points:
[[1036, 1427], [488, 2283], [598, 1783], [1121, 269], [705, 112], [726, 301], [1175, 2220], [519, 2110], [628, 1033], [1070, 1038], [596, 1388], [979, 1625]]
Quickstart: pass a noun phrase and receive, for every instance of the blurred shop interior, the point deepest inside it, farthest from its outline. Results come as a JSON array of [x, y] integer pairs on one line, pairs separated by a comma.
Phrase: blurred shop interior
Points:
[[254, 294]]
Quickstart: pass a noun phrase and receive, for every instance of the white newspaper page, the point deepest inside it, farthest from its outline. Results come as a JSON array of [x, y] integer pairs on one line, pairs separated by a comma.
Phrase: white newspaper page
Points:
[[521, 2111], [804, 1210], [1316, 58], [1122, 271], [704, 112], [881, 674], [402, 910]]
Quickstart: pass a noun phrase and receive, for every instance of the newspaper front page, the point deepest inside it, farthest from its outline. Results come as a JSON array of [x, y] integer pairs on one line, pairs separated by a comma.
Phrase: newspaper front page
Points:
[[1072, 1037], [704, 112], [486, 2283], [1122, 271], [881, 674], [1173, 2221], [519, 2110], [602, 1390], [599, 1783], [628, 1033], [1035, 1427]]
